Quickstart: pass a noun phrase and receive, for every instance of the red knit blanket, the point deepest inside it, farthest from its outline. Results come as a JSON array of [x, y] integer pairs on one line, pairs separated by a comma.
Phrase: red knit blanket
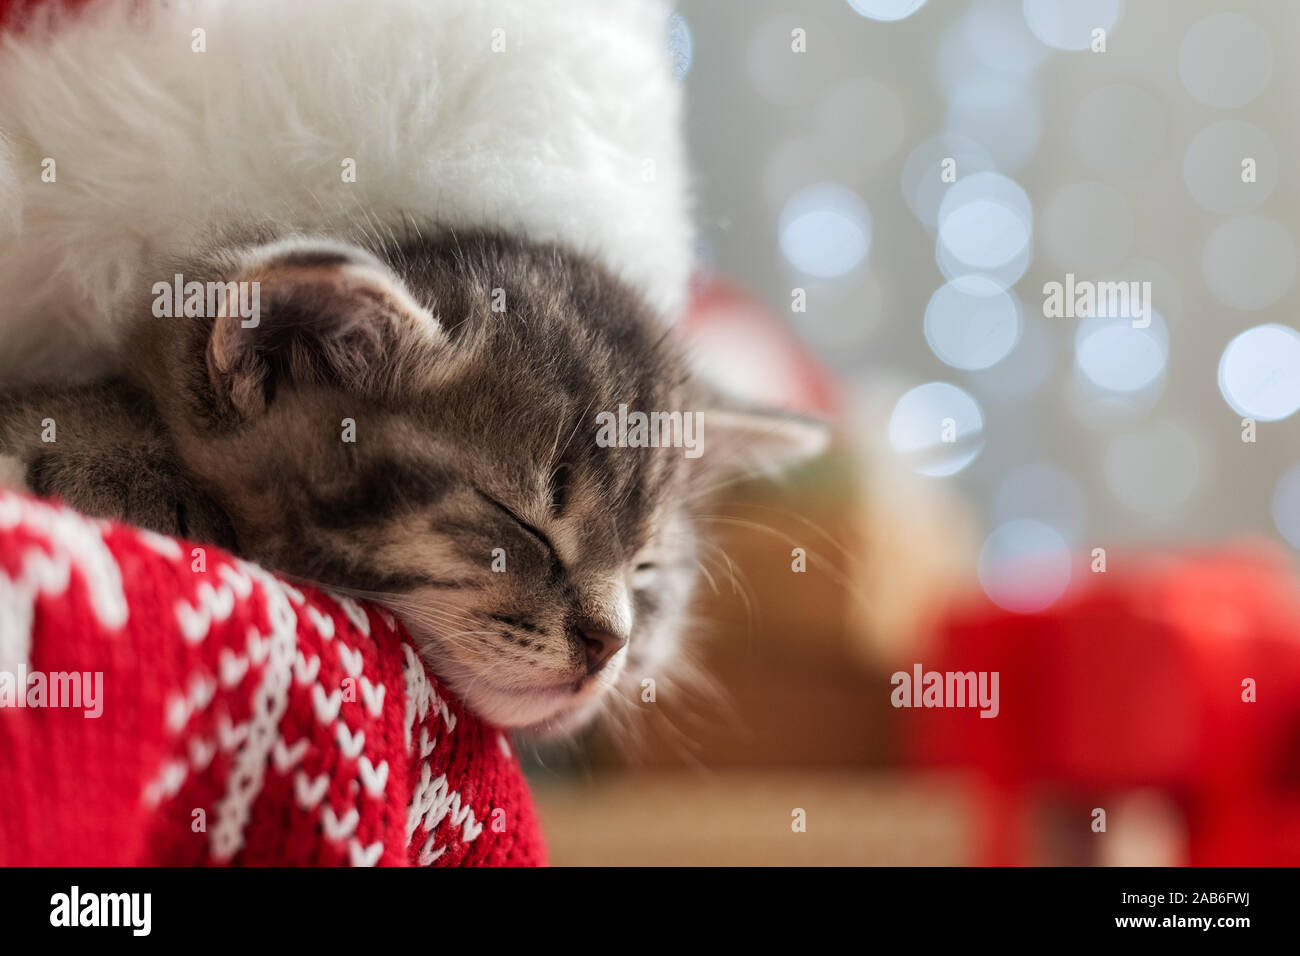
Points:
[[162, 703]]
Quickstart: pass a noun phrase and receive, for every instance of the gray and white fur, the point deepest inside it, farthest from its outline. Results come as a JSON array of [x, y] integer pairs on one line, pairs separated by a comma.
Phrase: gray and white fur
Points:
[[474, 450]]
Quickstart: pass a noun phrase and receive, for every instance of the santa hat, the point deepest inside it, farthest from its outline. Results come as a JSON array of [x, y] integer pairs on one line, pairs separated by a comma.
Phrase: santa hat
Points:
[[167, 124]]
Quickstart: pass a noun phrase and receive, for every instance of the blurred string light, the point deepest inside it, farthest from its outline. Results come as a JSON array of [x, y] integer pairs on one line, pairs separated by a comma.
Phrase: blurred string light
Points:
[[1249, 262], [1004, 276], [1024, 566], [825, 230], [1045, 493], [1212, 167], [954, 60], [996, 34], [986, 228], [1069, 24], [1117, 357], [923, 189], [937, 429], [681, 47], [1002, 113], [982, 66], [1155, 470], [1286, 506], [1259, 373], [1225, 60], [972, 322], [1120, 371], [1025, 369], [887, 10]]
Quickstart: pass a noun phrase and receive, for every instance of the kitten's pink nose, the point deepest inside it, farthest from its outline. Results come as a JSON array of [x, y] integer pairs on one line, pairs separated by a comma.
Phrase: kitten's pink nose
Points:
[[600, 645]]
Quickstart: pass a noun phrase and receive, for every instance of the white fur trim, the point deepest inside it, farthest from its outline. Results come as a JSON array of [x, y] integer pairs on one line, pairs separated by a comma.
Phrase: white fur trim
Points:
[[570, 134]]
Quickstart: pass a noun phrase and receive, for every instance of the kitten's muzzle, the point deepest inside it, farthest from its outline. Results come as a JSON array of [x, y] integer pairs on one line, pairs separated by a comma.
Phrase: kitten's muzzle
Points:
[[599, 645]]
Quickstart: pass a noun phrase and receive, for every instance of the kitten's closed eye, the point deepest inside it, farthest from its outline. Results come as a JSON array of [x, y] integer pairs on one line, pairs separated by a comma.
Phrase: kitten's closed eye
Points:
[[514, 516]]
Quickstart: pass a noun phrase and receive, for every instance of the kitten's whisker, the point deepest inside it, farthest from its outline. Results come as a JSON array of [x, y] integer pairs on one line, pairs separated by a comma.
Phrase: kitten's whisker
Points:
[[576, 425], [834, 575], [807, 522], [707, 576], [739, 583]]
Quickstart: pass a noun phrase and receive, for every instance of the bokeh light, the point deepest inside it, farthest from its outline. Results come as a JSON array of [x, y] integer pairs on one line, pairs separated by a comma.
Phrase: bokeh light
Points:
[[937, 429], [1024, 566], [1004, 276], [923, 186], [985, 222], [1249, 262], [825, 230], [1117, 357], [1286, 506], [1026, 369], [1225, 60], [972, 322], [1259, 373], [1068, 24], [1017, 170], [996, 34], [1000, 112], [886, 9]]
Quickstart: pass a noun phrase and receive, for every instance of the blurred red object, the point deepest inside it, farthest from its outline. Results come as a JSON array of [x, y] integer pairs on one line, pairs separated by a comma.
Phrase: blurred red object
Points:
[[1138, 680], [741, 345], [14, 12]]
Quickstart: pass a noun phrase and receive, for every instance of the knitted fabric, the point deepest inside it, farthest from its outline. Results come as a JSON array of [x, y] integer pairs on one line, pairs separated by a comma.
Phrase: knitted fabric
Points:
[[243, 719]]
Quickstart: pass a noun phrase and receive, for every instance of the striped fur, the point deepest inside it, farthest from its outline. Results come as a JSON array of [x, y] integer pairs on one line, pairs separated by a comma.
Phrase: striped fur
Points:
[[475, 444]]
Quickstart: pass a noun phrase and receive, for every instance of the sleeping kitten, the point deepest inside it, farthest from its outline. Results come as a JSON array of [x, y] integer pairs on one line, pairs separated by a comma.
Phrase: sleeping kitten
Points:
[[380, 427], [416, 423]]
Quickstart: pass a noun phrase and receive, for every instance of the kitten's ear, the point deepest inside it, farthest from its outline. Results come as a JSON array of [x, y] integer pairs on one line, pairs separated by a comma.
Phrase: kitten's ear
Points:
[[737, 437], [321, 314]]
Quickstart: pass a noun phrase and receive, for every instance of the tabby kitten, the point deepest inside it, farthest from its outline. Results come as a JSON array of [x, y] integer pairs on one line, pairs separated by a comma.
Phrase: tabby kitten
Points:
[[385, 431]]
